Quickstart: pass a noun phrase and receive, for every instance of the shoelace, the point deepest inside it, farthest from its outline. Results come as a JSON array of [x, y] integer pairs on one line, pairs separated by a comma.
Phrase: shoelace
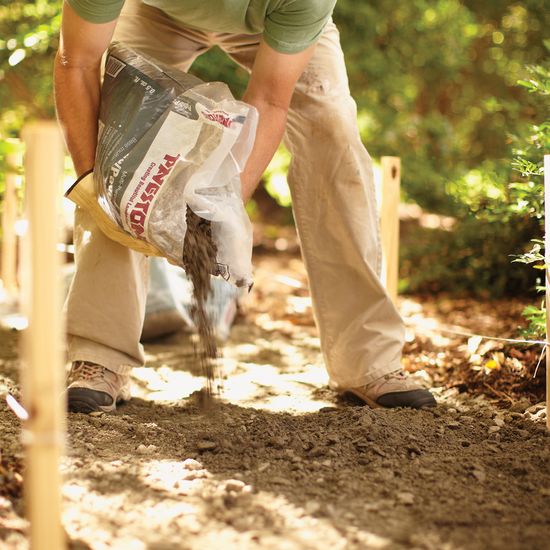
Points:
[[85, 371], [396, 376]]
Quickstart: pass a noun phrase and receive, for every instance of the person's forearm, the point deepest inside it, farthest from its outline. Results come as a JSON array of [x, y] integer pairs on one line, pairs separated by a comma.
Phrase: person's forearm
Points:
[[271, 126], [77, 92]]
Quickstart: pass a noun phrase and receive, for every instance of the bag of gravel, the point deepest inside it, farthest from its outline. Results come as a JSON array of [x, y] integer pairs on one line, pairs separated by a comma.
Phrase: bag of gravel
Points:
[[169, 142]]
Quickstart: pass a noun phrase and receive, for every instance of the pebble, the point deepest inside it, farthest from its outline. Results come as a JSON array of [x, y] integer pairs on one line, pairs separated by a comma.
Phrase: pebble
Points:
[[480, 475], [533, 409], [277, 442], [452, 425], [317, 451], [234, 485], [493, 429], [520, 406], [146, 449], [414, 449], [192, 464], [376, 449], [499, 421], [280, 480], [405, 498], [312, 506], [206, 445], [545, 491]]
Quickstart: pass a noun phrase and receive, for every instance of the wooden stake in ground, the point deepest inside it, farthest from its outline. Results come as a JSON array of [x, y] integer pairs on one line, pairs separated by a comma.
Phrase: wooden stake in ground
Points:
[[547, 262], [43, 373], [9, 217], [389, 222]]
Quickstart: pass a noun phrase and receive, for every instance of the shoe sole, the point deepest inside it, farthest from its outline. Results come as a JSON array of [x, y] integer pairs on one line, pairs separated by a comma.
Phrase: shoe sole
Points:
[[85, 400], [423, 400]]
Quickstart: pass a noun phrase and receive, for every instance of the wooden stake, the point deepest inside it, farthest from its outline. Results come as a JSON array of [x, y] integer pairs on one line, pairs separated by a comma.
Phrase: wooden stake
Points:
[[389, 223], [9, 217], [43, 374], [547, 262]]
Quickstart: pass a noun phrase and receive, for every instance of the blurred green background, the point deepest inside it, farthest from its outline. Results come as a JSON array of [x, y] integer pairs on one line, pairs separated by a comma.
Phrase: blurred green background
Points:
[[436, 83]]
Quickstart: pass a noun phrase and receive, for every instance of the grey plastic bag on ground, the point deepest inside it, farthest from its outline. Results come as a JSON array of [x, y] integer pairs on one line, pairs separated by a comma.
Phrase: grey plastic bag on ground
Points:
[[169, 306], [167, 141]]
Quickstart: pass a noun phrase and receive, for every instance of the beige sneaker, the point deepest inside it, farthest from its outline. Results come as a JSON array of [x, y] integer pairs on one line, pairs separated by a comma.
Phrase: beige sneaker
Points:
[[94, 388], [395, 390]]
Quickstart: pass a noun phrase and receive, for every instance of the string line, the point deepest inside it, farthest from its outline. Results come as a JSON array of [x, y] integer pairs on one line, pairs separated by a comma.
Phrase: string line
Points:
[[464, 333]]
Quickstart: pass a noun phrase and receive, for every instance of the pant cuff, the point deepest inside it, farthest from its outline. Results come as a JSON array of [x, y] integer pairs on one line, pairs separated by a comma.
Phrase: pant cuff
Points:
[[80, 349], [368, 378]]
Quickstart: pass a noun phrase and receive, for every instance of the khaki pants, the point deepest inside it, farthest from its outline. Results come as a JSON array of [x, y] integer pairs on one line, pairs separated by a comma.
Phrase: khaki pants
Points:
[[334, 206]]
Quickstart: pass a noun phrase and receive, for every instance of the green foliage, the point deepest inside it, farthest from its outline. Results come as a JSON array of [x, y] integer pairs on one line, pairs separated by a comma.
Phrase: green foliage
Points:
[[529, 191], [29, 32], [435, 83], [467, 260], [536, 318]]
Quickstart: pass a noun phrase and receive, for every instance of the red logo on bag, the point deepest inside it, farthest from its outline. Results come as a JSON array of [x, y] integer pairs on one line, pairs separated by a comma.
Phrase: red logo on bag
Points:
[[138, 214], [218, 116]]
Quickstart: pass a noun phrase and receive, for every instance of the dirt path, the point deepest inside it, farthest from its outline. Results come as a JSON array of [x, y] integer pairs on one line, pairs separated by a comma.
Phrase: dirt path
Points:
[[283, 463]]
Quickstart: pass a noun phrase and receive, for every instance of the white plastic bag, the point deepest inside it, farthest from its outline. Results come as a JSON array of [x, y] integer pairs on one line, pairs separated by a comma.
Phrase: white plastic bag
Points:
[[168, 141]]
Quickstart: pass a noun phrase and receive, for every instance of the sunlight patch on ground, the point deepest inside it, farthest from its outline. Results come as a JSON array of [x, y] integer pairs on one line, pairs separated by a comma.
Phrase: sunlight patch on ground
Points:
[[164, 383], [186, 504], [261, 385], [264, 387]]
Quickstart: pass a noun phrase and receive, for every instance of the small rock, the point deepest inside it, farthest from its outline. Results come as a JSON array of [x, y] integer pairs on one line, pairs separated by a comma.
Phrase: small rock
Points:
[[465, 443], [414, 449], [317, 451], [146, 449], [453, 425], [523, 434], [277, 442], [480, 475], [513, 416], [206, 445], [405, 498], [312, 506], [533, 409], [499, 422], [192, 464], [280, 480], [545, 491], [376, 449], [520, 406], [234, 485], [493, 429]]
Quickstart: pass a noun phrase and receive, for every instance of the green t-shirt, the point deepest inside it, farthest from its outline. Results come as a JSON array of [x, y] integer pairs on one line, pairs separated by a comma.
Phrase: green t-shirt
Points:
[[288, 26]]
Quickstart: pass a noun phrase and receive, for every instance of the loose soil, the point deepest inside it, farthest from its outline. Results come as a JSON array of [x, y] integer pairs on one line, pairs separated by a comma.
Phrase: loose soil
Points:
[[199, 259], [283, 463]]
